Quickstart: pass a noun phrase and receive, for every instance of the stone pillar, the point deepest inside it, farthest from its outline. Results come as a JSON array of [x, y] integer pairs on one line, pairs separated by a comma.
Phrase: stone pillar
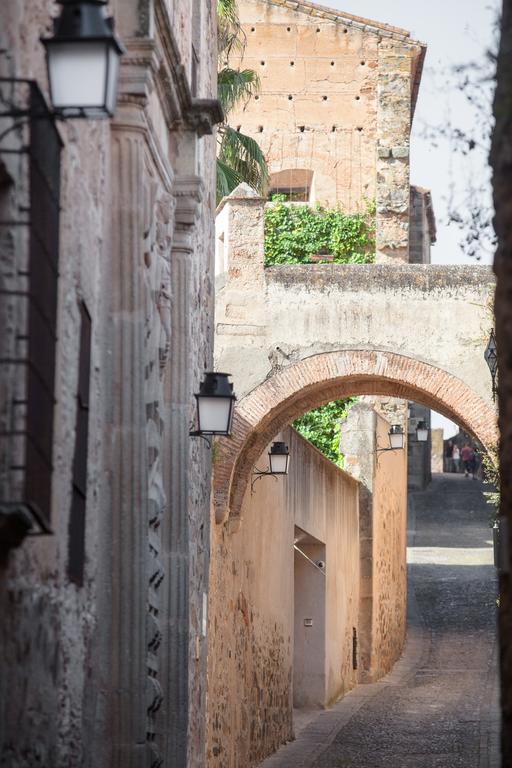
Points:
[[188, 196], [357, 440], [393, 129], [240, 298], [128, 467]]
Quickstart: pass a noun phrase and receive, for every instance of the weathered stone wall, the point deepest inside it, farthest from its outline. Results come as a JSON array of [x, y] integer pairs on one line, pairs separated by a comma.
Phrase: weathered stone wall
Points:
[[251, 607], [437, 450], [337, 96], [287, 313], [422, 227], [113, 672]]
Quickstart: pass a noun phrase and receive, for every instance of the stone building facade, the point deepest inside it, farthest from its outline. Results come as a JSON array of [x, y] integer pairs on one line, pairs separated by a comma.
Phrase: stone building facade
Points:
[[335, 109], [296, 337], [103, 620], [333, 117]]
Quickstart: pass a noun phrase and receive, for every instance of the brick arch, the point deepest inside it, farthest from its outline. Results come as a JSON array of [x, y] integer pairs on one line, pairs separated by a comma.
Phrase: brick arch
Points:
[[316, 380]]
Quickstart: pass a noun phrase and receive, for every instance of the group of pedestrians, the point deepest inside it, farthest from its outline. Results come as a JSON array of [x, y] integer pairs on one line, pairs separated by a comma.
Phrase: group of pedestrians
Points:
[[461, 459]]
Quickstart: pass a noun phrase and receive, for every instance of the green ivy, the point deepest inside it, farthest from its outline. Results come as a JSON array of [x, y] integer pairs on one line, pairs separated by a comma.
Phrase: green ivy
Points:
[[294, 233], [321, 427]]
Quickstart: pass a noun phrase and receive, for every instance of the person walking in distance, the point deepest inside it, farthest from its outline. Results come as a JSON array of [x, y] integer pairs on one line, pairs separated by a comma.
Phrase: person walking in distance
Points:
[[467, 457], [456, 458]]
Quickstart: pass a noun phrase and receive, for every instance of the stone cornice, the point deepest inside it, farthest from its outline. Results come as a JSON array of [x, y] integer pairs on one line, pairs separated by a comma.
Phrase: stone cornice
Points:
[[154, 65], [188, 193], [181, 108]]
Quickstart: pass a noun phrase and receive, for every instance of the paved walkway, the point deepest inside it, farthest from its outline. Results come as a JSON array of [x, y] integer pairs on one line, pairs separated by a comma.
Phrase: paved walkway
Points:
[[439, 706]]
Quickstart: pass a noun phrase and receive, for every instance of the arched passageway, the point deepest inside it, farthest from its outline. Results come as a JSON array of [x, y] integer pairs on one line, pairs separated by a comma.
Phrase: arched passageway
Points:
[[321, 378]]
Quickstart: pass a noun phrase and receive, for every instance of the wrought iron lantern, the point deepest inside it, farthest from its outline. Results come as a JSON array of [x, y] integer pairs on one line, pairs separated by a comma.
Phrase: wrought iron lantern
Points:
[[421, 432], [278, 458], [491, 358], [278, 462], [83, 60], [215, 405], [396, 439]]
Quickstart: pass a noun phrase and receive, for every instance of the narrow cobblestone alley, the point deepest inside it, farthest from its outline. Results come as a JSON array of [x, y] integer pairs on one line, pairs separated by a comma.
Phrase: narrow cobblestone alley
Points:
[[439, 706]]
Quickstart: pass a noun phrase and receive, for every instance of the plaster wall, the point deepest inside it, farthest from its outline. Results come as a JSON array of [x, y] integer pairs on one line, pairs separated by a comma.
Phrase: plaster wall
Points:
[[113, 672], [309, 626], [389, 554], [382, 529], [251, 604]]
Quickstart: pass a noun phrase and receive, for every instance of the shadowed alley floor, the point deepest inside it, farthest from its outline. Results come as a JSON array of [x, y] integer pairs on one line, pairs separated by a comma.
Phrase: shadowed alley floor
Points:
[[439, 706]]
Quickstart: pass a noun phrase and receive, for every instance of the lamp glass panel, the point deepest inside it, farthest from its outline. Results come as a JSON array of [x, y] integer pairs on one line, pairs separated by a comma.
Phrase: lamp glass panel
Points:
[[113, 71], [422, 435], [278, 463], [214, 414], [77, 73], [396, 440]]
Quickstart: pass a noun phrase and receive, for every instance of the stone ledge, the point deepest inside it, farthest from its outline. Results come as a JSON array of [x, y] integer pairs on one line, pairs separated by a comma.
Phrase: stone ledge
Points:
[[358, 277]]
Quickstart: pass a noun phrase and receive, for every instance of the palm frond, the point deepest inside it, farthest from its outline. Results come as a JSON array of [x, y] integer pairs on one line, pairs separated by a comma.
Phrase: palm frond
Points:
[[243, 154], [230, 35], [235, 85], [227, 179]]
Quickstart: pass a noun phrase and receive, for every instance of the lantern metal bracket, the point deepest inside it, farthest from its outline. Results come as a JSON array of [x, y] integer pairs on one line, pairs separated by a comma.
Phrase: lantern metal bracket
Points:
[[259, 473], [197, 433], [382, 450]]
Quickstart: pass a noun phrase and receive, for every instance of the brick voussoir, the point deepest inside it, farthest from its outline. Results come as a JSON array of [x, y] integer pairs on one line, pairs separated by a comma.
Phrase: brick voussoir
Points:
[[306, 384]]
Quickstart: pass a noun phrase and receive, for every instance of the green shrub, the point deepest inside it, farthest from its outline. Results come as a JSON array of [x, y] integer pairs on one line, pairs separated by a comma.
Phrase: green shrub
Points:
[[321, 427], [294, 233]]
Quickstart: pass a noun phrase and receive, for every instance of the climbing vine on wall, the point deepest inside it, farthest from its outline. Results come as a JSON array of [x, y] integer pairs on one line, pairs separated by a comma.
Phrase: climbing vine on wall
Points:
[[321, 427], [294, 234]]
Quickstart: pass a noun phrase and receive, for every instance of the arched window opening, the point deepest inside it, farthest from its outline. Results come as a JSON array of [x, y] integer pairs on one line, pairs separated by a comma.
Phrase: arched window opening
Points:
[[294, 184]]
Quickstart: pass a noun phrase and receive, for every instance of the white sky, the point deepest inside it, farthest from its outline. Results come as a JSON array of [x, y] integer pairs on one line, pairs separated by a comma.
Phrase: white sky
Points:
[[456, 32]]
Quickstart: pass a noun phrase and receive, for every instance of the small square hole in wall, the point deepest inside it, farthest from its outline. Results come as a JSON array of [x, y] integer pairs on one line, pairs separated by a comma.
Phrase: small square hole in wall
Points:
[[260, 129], [290, 97], [288, 29], [301, 128]]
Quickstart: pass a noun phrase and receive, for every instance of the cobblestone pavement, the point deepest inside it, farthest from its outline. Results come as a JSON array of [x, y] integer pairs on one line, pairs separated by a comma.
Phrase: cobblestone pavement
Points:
[[439, 707]]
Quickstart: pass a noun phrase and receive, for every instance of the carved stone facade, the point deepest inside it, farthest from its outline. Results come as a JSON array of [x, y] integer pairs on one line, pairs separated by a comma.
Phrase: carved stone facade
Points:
[[112, 672]]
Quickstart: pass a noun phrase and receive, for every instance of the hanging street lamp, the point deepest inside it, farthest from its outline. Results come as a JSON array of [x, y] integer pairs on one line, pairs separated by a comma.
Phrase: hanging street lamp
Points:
[[215, 405], [421, 432], [278, 458], [396, 439], [278, 461], [491, 358], [83, 61]]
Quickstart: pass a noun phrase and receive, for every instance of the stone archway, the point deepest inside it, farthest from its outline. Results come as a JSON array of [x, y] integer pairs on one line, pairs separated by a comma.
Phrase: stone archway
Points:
[[321, 378]]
